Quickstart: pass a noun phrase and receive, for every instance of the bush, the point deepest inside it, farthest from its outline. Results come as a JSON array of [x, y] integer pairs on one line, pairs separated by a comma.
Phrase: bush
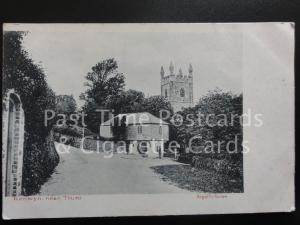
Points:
[[68, 131], [219, 165], [73, 131], [185, 158], [88, 144], [212, 107]]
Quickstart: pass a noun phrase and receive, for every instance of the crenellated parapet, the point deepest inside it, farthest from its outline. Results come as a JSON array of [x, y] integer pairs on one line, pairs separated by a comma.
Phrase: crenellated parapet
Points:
[[179, 77]]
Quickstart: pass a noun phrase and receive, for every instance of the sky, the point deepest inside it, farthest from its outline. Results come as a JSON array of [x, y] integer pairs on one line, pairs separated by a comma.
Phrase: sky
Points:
[[67, 55]]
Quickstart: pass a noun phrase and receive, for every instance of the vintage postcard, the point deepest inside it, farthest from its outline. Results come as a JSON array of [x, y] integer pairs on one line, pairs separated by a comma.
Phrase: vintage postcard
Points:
[[147, 119]]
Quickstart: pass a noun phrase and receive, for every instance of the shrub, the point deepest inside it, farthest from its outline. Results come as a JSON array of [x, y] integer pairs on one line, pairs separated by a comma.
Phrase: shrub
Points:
[[73, 131], [219, 165], [88, 144], [211, 106]]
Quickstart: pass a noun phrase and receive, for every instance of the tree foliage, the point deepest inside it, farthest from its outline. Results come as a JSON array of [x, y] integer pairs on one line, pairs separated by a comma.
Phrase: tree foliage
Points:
[[154, 105], [103, 81], [28, 80], [119, 128], [133, 101], [92, 117], [65, 104], [126, 102], [220, 121]]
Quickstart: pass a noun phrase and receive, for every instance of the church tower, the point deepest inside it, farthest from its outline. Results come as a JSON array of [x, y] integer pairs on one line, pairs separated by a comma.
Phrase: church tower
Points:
[[177, 88]]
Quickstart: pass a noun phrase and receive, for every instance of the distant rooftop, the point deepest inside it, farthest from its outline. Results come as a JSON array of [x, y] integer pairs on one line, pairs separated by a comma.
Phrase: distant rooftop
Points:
[[137, 118]]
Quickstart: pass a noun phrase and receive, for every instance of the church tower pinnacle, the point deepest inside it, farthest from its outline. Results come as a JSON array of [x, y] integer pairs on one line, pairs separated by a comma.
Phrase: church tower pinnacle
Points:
[[190, 70], [171, 68], [180, 72], [162, 72]]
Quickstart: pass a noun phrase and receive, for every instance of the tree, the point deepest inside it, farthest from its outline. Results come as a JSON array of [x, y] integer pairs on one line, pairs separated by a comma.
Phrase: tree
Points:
[[65, 104], [221, 106], [126, 102], [119, 128], [133, 101], [155, 104], [28, 80], [92, 117], [220, 121], [103, 82]]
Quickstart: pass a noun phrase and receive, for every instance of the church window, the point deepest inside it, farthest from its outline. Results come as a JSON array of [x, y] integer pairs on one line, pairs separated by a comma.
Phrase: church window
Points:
[[182, 92], [160, 130], [166, 93]]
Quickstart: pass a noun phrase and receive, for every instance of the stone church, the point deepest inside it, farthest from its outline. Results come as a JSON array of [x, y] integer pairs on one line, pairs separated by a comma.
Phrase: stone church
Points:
[[177, 88]]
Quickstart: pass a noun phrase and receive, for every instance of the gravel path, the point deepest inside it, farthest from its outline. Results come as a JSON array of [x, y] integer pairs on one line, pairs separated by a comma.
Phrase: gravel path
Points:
[[80, 173]]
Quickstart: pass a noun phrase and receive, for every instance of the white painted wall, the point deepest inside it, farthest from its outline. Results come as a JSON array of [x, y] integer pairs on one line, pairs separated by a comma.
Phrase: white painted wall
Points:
[[106, 131], [149, 132]]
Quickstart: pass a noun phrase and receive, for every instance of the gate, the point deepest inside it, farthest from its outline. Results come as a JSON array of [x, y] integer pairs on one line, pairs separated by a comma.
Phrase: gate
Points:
[[12, 144]]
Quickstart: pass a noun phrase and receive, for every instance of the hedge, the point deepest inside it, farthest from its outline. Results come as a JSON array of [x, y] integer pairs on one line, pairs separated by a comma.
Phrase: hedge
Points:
[[29, 81]]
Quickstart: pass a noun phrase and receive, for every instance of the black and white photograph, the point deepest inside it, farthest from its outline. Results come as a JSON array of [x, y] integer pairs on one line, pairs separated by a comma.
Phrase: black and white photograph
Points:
[[143, 110]]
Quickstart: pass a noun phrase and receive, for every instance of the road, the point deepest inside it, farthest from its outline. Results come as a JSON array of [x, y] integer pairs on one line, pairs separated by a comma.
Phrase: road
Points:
[[80, 173]]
